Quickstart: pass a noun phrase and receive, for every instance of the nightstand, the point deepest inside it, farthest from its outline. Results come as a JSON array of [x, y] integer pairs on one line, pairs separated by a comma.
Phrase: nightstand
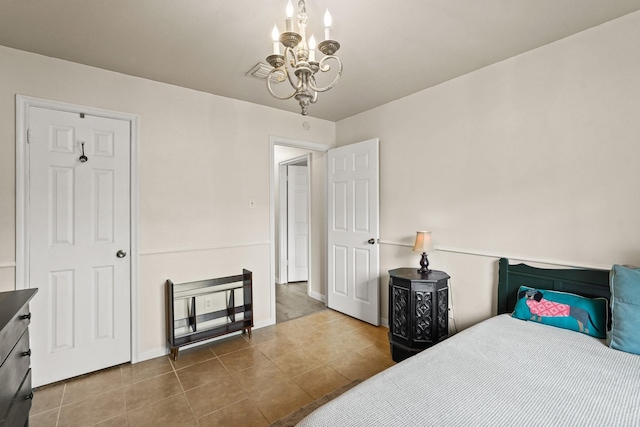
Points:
[[418, 311]]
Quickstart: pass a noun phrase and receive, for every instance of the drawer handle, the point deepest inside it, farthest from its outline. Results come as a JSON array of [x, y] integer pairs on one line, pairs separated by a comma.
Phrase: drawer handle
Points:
[[26, 353], [29, 396], [25, 317]]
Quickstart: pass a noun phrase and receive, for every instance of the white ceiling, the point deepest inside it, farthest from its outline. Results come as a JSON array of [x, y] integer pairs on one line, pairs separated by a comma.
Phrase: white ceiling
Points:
[[390, 49]]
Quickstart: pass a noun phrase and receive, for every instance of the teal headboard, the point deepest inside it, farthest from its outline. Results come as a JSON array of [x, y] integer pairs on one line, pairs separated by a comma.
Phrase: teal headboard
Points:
[[586, 282]]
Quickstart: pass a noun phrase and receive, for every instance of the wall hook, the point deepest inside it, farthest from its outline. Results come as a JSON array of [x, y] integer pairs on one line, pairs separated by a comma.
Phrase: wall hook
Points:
[[83, 158]]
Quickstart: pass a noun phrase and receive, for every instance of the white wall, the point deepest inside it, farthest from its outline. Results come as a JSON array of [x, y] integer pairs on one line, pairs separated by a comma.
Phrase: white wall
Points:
[[535, 157], [202, 157]]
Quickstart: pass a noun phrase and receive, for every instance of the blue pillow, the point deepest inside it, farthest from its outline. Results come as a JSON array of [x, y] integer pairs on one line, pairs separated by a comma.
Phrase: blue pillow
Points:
[[563, 310], [625, 309]]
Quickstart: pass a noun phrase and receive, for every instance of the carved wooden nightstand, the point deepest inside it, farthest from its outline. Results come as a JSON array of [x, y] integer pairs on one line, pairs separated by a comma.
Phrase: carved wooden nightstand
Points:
[[418, 311]]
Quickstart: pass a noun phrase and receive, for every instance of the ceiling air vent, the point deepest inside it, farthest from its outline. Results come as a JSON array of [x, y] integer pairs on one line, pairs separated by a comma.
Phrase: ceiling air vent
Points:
[[261, 70]]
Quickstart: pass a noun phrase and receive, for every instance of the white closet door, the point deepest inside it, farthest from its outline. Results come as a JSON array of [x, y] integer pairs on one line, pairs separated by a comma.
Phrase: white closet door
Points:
[[79, 220]]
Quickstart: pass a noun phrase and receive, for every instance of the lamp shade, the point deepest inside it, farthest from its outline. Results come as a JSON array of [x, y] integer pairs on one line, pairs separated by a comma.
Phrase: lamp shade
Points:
[[423, 242]]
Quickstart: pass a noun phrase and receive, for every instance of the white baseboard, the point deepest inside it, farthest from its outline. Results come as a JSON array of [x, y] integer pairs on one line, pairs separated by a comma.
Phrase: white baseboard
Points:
[[384, 322], [151, 354], [264, 323], [318, 296]]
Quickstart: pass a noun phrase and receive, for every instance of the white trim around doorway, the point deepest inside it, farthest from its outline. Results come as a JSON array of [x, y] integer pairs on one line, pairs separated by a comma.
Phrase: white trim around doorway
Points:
[[23, 103], [273, 141]]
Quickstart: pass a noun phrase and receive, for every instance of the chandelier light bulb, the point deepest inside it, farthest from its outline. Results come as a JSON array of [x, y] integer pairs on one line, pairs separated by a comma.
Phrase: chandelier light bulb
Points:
[[289, 13], [289, 9], [327, 25], [312, 48], [275, 36], [327, 19]]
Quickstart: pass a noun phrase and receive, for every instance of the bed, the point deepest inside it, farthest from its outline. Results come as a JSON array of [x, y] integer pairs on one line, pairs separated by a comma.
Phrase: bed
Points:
[[503, 372]]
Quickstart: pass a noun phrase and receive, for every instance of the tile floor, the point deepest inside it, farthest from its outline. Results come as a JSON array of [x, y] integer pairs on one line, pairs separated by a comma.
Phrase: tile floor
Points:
[[233, 382]]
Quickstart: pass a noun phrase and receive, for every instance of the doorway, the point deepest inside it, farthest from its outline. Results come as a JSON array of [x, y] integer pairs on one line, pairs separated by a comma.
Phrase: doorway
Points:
[[293, 216], [294, 295]]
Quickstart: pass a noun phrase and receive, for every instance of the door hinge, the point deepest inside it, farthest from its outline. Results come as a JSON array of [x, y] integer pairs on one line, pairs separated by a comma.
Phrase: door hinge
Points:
[[28, 136]]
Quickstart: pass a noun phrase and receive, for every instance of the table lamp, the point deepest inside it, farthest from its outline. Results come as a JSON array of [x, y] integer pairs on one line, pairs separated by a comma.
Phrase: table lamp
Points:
[[423, 244]]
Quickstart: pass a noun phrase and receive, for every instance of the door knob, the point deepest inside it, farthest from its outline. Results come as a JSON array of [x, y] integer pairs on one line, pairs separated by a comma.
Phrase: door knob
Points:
[[371, 241], [121, 254]]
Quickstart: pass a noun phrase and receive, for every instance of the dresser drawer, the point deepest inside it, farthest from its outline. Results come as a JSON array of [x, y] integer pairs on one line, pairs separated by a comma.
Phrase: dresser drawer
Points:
[[13, 370], [15, 357], [18, 412], [13, 331]]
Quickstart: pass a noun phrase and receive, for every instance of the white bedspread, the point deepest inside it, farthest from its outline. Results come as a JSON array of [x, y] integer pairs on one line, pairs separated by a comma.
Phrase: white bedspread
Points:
[[501, 372]]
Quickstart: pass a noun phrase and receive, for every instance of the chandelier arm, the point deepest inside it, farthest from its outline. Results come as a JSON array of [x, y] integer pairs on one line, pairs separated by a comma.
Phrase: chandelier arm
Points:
[[289, 57], [324, 68], [280, 79]]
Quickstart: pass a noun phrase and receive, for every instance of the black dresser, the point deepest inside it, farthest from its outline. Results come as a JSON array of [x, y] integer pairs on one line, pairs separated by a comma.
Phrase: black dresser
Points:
[[418, 311], [15, 356]]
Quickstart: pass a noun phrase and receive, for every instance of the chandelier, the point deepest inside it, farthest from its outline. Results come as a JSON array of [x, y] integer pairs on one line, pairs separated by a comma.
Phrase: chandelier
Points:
[[298, 65]]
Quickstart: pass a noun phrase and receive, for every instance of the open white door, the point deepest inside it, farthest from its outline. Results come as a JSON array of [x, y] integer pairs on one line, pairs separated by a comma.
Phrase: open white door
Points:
[[297, 223], [353, 226]]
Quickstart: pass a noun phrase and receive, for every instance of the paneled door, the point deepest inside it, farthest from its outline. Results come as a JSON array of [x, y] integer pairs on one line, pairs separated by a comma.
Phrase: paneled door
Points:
[[79, 239], [297, 223], [353, 258]]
